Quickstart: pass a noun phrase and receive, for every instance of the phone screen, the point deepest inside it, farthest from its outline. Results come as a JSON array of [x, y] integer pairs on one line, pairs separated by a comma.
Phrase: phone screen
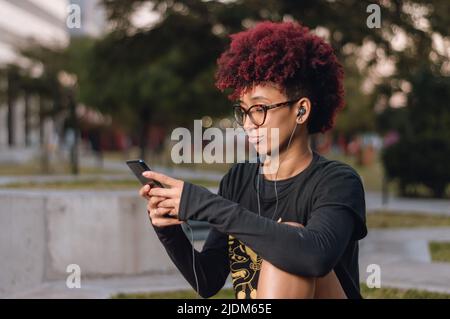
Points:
[[138, 167]]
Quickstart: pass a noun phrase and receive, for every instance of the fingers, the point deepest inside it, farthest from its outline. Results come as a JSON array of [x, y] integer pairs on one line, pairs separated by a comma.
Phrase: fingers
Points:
[[158, 217], [148, 191], [159, 212], [167, 203], [293, 224], [163, 211], [143, 192], [164, 179], [163, 192], [290, 223], [154, 201], [160, 206]]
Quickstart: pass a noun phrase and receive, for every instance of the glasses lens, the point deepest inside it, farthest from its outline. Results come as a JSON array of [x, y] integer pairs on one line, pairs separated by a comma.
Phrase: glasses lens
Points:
[[239, 115], [257, 114]]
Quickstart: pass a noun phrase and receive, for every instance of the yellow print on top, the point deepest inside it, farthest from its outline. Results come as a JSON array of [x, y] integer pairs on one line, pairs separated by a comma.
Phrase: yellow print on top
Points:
[[244, 265]]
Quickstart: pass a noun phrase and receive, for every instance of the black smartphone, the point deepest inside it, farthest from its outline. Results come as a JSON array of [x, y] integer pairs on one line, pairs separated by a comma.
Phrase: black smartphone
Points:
[[138, 167]]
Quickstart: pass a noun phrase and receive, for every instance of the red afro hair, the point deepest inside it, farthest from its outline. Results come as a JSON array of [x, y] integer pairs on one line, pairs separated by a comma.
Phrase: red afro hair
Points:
[[289, 55]]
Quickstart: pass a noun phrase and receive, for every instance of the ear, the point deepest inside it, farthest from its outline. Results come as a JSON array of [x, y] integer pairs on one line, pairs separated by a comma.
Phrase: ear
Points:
[[304, 103]]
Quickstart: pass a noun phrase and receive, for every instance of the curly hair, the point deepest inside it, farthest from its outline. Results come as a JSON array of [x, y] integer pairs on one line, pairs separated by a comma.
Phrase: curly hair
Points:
[[289, 55]]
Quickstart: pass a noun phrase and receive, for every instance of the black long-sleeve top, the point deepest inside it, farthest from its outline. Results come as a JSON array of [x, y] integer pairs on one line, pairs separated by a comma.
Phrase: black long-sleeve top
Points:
[[327, 198]]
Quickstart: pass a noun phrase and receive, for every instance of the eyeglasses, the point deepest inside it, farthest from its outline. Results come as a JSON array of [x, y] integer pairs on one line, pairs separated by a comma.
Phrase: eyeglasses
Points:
[[257, 112]]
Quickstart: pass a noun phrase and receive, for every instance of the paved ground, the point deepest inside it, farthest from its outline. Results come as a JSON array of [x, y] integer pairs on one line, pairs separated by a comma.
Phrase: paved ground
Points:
[[402, 255], [413, 205], [105, 288], [404, 258]]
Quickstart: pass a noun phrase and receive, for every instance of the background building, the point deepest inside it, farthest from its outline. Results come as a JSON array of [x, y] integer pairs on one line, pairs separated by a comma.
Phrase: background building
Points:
[[43, 22]]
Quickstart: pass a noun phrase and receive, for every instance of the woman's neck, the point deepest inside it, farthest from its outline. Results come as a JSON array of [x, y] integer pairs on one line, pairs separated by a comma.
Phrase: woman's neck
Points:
[[291, 161]]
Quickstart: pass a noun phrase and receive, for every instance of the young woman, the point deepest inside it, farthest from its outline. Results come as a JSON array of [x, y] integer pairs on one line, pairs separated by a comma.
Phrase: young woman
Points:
[[291, 232]]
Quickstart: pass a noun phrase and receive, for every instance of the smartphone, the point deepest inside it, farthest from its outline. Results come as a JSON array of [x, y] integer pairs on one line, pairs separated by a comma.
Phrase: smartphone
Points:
[[138, 167]]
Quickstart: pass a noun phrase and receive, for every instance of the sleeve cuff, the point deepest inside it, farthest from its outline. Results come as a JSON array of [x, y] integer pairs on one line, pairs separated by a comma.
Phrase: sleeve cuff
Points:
[[184, 202]]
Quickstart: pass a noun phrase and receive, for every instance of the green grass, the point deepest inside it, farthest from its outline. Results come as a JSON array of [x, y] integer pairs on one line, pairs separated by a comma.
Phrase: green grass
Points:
[[385, 219], [96, 184], [371, 175], [34, 169], [440, 251], [395, 293], [368, 293], [179, 294], [164, 159]]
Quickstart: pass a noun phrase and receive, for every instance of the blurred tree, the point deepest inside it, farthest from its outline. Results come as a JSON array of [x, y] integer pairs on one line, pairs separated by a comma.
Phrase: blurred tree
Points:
[[422, 153], [154, 76], [358, 115], [190, 35]]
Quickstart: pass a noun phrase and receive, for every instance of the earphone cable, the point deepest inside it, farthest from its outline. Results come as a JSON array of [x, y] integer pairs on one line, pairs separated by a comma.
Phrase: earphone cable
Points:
[[193, 260], [276, 176]]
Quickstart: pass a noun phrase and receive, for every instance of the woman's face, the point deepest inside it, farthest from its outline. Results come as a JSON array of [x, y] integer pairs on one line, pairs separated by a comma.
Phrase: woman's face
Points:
[[283, 118]]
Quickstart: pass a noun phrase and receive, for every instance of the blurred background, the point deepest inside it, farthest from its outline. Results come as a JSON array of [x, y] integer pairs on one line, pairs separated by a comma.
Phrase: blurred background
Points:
[[87, 84]]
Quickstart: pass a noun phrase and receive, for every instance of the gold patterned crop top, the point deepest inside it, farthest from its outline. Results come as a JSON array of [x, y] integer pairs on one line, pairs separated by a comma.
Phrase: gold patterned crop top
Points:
[[244, 266]]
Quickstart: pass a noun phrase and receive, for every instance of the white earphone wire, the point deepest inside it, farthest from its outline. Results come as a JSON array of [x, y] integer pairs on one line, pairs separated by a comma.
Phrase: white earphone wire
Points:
[[193, 260], [276, 176]]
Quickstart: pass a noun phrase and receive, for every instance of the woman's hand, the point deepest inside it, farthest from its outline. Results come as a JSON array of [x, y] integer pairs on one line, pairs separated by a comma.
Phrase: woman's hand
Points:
[[171, 194], [168, 203], [291, 223]]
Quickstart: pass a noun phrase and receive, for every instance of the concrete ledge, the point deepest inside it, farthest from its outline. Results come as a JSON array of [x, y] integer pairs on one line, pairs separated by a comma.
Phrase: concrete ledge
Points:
[[107, 233]]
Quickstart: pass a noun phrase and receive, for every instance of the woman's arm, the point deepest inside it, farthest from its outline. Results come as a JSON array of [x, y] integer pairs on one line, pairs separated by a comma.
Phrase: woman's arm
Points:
[[211, 264], [338, 216], [311, 251]]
